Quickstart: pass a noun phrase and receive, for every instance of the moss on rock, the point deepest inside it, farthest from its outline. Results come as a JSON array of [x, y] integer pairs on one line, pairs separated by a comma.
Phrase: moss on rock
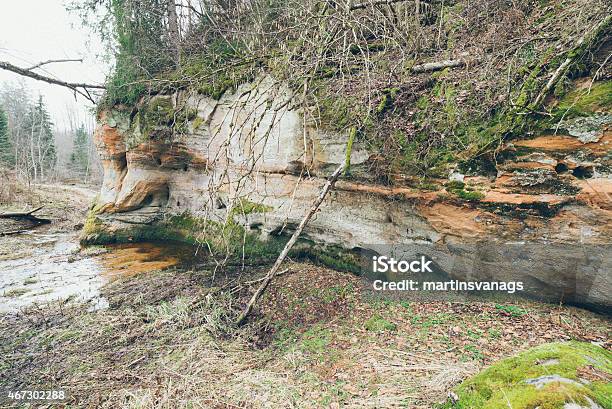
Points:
[[547, 377], [228, 238], [585, 102]]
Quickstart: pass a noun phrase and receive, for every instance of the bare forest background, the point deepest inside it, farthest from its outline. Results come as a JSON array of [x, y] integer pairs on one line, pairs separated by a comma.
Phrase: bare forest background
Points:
[[33, 150]]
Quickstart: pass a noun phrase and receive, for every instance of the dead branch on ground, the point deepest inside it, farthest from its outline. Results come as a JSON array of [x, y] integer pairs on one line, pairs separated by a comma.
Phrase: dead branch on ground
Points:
[[26, 216]]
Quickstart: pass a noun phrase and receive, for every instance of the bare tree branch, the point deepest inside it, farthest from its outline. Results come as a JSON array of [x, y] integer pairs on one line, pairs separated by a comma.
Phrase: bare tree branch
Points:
[[437, 66], [78, 88], [363, 5], [40, 64]]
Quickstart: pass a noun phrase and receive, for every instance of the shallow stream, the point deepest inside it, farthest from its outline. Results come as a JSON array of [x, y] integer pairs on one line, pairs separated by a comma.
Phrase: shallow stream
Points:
[[56, 268]]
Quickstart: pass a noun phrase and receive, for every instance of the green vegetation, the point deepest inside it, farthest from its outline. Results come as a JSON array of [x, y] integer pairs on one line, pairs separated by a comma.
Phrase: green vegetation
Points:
[[513, 310], [316, 340], [466, 193], [245, 207], [334, 257], [506, 384], [224, 239], [142, 48], [585, 101], [79, 158], [470, 196], [222, 67], [363, 83], [158, 118], [378, 324], [7, 154], [471, 352]]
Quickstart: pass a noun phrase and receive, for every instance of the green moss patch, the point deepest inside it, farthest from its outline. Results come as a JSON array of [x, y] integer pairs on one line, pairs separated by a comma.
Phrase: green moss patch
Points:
[[159, 118], [460, 190], [379, 324], [246, 207], [547, 377], [585, 102], [334, 257], [229, 238]]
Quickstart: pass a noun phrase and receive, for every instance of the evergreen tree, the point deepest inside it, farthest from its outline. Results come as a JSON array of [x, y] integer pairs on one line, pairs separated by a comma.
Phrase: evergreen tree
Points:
[[7, 155], [42, 153], [79, 159]]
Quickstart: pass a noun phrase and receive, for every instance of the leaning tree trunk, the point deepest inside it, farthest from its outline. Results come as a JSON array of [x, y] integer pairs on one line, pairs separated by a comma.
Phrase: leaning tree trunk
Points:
[[266, 280]]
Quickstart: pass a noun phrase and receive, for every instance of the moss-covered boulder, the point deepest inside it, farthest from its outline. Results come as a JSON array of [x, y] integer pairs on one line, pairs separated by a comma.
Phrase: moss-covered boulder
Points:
[[570, 375]]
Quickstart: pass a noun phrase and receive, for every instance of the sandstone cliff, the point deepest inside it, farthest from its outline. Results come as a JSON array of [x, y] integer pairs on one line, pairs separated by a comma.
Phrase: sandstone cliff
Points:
[[249, 158]]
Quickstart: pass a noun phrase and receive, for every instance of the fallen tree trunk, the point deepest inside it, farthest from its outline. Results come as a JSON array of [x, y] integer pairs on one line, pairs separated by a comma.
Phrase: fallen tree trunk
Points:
[[13, 232], [437, 66], [26, 215], [266, 280], [19, 214]]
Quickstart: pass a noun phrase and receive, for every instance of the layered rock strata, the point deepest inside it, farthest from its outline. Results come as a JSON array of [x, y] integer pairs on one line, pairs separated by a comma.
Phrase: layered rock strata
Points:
[[545, 217]]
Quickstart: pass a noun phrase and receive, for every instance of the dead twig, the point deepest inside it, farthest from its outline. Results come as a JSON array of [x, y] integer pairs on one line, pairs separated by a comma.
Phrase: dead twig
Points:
[[437, 66]]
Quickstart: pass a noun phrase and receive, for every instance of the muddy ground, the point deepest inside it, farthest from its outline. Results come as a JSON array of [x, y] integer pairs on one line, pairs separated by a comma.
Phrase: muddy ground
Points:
[[165, 337]]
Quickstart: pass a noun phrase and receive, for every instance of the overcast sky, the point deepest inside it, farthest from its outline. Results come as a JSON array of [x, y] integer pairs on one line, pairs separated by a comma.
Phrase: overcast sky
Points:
[[32, 31]]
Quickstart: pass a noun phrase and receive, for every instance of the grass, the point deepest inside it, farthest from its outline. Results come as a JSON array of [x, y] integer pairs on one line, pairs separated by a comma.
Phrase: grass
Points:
[[175, 312], [584, 102], [168, 339], [316, 340]]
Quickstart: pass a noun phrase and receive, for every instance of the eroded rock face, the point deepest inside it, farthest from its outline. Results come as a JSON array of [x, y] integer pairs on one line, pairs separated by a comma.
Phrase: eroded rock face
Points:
[[553, 197]]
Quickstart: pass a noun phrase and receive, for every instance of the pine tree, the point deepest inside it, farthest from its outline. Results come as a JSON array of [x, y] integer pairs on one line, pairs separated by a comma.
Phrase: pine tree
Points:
[[7, 155], [79, 159], [43, 153]]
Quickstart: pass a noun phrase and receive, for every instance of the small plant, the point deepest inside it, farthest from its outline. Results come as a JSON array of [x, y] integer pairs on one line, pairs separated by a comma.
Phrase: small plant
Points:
[[474, 334], [379, 324], [460, 190], [454, 185], [470, 196], [316, 340], [512, 310], [473, 353], [494, 333]]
